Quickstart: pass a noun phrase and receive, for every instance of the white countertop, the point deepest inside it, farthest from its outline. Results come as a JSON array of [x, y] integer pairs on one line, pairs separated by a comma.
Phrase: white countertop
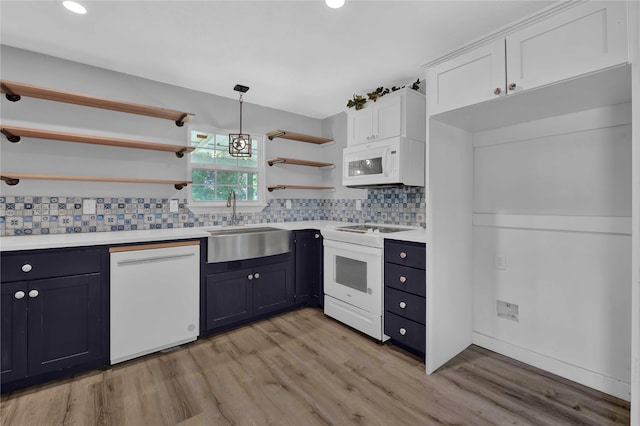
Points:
[[34, 242]]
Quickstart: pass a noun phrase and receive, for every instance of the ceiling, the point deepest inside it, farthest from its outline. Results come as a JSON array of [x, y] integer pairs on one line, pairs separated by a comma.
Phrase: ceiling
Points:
[[298, 56]]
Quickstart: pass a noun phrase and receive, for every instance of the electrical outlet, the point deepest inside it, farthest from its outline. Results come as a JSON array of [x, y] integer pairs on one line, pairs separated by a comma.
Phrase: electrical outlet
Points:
[[173, 206], [358, 204], [508, 310], [288, 203], [88, 206], [501, 262]]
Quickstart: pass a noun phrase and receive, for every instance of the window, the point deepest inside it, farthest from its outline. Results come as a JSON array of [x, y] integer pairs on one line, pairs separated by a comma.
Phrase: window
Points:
[[215, 173]]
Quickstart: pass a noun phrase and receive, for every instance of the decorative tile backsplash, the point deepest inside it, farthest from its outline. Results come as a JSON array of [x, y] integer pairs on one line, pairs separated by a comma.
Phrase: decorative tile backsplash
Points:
[[63, 215]]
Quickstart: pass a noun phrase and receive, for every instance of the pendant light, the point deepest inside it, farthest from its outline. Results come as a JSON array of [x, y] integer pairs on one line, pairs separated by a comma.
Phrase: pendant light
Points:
[[240, 143]]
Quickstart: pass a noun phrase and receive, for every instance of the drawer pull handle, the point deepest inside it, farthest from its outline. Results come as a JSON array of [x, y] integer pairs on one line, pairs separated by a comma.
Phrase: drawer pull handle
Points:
[[403, 305], [403, 279], [403, 255], [249, 277], [26, 267], [403, 331], [19, 294], [316, 236], [33, 294], [256, 275]]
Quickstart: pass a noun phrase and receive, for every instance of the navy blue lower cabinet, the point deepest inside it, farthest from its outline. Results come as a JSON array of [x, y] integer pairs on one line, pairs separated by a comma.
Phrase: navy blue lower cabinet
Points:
[[308, 267], [53, 324], [272, 288], [228, 298], [13, 344], [239, 292]]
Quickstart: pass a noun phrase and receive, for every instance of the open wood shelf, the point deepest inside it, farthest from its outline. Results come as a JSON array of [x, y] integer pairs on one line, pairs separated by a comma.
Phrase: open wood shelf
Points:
[[271, 188], [14, 134], [14, 91], [14, 179], [284, 134], [298, 162]]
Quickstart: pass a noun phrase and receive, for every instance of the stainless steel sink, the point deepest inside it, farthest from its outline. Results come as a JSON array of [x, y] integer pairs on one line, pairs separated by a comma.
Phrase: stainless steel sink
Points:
[[246, 243]]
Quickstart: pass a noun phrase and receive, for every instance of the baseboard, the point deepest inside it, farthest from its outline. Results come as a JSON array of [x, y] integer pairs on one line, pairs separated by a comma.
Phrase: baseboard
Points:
[[572, 372]]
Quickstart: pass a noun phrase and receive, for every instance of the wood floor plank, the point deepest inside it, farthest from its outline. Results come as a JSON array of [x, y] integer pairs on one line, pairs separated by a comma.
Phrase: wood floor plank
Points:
[[303, 368]]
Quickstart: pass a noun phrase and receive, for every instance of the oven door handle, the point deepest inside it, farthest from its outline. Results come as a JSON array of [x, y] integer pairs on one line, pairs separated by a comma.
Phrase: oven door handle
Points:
[[357, 249]]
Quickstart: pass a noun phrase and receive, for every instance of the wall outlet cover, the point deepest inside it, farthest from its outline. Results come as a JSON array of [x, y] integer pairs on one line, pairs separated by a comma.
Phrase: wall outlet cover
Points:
[[288, 203], [173, 206], [89, 206], [358, 204], [501, 261], [508, 310]]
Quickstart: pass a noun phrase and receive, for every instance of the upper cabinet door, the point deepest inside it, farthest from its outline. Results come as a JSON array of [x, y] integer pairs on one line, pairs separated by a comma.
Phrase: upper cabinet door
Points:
[[470, 78], [359, 126], [387, 118], [583, 39]]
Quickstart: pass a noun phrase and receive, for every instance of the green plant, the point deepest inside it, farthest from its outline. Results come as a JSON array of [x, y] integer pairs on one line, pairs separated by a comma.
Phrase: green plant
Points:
[[359, 101]]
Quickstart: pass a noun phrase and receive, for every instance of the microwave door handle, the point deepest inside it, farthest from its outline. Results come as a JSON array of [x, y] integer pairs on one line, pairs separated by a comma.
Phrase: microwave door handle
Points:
[[385, 170]]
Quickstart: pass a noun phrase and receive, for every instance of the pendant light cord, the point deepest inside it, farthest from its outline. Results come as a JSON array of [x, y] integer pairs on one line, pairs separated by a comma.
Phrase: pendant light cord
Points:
[[240, 113]]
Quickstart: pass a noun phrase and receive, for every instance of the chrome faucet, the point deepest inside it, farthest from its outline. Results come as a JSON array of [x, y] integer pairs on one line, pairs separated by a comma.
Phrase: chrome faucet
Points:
[[234, 218]]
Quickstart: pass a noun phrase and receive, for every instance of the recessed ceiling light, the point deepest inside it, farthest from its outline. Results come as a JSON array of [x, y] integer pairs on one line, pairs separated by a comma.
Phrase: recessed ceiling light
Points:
[[75, 7], [334, 4]]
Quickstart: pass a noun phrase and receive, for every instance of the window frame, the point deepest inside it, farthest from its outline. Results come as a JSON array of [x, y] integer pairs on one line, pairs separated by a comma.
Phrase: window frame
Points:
[[219, 206]]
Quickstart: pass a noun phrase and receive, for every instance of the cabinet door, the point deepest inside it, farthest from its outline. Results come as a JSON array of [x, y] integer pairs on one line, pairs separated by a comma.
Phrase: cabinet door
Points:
[[227, 298], [14, 331], [64, 322], [580, 40], [272, 288], [359, 126], [308, 267], [387, 118], [473, 77]]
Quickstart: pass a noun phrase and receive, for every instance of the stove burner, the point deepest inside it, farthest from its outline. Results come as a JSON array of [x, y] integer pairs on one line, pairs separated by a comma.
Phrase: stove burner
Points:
[[364, 229]]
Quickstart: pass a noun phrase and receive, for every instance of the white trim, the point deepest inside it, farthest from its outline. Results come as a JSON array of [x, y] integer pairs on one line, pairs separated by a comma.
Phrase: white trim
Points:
[[561, 368], [598, 224]]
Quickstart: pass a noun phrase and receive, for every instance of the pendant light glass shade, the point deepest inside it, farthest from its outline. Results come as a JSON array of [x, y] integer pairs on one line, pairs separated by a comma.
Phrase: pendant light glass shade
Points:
[[240, 143]]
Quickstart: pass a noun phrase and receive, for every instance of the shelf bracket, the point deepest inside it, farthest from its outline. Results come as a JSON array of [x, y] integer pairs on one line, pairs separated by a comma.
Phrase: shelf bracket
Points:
[[9, 94], [10, 136], [10, 181], [276, 135], [183, 119], [179, 186], [180, 153], [278, 161], [272, 188]]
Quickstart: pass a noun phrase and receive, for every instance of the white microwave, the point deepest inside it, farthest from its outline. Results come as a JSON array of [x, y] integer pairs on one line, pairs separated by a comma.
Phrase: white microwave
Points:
[[389, 162]]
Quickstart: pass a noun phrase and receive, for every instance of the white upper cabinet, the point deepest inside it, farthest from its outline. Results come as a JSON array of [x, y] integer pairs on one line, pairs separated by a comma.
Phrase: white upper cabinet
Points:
[[468, 79], [400, 113], [582, 39]]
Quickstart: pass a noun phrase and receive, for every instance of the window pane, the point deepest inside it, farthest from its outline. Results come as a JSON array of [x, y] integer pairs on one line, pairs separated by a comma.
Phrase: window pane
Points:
[[203, 193], [199, 176]]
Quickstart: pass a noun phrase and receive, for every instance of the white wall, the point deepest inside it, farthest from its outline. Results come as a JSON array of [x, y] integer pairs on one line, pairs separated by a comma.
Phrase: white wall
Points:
[[553, 196]]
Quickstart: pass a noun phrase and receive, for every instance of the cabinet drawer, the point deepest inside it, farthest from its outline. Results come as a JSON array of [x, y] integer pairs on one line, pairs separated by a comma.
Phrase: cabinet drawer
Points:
[[404, 331], [411, 280], [49, 264], [404, 253], [405, 304]]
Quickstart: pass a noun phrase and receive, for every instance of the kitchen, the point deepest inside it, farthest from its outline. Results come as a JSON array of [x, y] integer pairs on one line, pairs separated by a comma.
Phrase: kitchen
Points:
[[404, 207]]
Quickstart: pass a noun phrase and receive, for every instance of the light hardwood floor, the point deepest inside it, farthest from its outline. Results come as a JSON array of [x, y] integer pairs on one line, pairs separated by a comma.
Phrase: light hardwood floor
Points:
[[302, 368]]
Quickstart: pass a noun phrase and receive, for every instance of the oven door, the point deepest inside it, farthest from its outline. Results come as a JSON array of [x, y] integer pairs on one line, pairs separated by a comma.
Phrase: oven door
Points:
[[353, 274]]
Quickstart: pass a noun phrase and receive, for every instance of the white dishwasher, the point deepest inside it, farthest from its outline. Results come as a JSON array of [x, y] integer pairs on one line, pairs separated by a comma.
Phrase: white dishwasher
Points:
[[155, 297]]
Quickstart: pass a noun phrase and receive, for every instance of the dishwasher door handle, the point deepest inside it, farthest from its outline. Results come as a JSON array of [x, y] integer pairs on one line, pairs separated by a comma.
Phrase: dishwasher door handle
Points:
[[128, 262]]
